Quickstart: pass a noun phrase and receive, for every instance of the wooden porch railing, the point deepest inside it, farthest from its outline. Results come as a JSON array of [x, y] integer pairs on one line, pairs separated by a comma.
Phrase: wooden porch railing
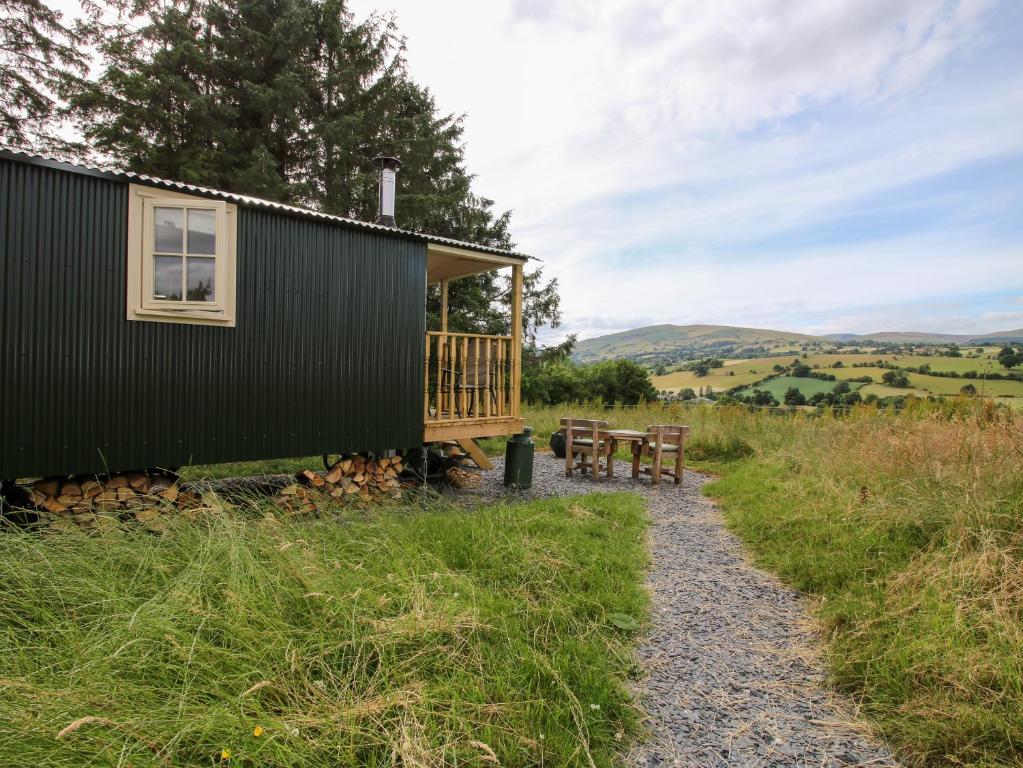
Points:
[[469, 377]]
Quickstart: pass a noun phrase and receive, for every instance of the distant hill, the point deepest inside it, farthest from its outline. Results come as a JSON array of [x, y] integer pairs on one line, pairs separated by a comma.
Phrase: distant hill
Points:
[[929, 338], [655, 340], [655, 343]]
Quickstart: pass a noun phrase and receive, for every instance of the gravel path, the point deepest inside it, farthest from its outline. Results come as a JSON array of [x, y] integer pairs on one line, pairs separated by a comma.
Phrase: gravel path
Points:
[[731, 675]]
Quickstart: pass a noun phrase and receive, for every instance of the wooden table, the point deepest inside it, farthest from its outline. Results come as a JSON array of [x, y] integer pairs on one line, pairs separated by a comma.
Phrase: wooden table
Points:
[[637, 441]]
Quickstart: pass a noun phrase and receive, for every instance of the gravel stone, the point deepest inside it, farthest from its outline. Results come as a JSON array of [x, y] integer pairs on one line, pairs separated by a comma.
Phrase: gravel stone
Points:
[[732, 674]]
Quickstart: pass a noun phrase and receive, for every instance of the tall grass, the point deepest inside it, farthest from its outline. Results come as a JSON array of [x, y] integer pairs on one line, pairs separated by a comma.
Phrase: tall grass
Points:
[[910, 529], [411, 637], [719, 434], [440, 636]]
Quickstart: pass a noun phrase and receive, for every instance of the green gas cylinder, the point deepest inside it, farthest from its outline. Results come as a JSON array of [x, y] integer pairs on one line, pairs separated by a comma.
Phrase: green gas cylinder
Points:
[[518, 460]]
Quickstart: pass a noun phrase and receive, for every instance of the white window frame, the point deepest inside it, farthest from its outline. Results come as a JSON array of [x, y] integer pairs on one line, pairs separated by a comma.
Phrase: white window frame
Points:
[[142, 203]]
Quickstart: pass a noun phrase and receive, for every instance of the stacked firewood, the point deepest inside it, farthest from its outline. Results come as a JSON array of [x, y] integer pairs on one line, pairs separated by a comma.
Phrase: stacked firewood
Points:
[[97, 501], [461, 478], [91, 502], [353, 479], [456, 474]]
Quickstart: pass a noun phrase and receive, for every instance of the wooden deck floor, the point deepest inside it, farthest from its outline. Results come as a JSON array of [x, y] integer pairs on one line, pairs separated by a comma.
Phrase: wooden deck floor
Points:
[[455, 429]]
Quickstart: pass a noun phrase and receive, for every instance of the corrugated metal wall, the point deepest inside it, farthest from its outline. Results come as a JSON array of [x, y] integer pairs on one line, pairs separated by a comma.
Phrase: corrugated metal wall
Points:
[[326, 356]]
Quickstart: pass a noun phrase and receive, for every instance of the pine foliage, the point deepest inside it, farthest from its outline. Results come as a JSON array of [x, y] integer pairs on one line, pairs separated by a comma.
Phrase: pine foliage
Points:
[[39, 59]]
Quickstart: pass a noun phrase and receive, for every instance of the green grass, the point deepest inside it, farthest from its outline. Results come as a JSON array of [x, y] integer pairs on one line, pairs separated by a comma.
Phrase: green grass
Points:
[[407, 636], [718, 434], [909, 530], [248, 468], [942, 385], [410, 635]]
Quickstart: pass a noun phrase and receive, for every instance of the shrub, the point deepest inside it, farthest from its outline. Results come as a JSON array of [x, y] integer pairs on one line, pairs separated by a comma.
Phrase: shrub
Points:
[[794, 397], [895, 378]]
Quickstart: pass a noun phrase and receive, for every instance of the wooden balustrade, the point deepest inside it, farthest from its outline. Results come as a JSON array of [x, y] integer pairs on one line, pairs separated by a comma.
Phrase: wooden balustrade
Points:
[[469, 377]]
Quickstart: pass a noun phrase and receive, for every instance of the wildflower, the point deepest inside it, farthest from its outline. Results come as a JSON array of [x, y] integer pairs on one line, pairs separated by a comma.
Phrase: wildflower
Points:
[[225, 754], [594, 706], [257, 731]]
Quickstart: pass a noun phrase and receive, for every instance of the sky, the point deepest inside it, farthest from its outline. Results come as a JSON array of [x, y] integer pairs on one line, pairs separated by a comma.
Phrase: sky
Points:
[[840, 166], [824, 167]]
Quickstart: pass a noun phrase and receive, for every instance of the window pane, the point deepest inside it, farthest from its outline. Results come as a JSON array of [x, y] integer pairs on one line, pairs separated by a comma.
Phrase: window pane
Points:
[[169, 230], [167, 278], [202, 232], [201, 279]]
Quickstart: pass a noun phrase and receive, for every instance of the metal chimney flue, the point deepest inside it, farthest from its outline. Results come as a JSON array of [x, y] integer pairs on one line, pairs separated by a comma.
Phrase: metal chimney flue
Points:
[[388, 168]]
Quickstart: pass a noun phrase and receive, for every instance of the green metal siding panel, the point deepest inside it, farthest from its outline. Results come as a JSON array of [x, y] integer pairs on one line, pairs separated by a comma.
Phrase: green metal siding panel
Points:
[[326, 356]]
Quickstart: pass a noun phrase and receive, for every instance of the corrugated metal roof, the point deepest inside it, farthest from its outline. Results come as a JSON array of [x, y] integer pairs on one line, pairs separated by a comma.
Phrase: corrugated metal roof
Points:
[[255, 202]]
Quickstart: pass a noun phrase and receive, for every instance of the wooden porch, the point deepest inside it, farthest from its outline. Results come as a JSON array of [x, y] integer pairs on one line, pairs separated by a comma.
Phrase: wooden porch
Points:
[[471, 381]]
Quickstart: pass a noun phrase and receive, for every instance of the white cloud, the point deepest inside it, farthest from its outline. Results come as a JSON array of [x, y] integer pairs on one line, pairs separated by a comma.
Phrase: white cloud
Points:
[[573, 96], [647, 146], [808, 290], [651, 149]]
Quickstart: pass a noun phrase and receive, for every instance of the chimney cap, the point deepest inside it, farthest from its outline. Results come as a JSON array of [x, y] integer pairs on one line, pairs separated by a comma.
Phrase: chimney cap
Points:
[[384, 161]]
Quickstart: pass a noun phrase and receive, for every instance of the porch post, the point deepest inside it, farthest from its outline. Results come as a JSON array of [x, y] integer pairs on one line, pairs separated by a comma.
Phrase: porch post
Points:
[[444, 306], [516, 338]]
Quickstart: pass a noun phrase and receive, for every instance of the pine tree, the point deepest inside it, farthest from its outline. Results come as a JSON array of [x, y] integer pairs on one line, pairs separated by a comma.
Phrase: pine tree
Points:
[[39, 59], [292, 100]]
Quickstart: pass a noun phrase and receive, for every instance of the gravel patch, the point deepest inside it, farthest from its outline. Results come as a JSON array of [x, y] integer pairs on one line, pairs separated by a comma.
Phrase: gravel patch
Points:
[[731, 673]]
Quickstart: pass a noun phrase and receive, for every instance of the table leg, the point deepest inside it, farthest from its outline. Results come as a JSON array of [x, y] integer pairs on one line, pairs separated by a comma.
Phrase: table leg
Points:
[[611, 457], [637, 451]]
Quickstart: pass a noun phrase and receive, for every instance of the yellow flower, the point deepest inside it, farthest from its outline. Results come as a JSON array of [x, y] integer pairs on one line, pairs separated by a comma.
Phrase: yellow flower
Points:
[[257, 731], [225, 754]]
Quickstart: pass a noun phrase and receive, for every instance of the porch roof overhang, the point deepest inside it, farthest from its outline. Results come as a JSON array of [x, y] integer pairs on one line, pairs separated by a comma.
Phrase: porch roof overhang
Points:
[[447, 262]]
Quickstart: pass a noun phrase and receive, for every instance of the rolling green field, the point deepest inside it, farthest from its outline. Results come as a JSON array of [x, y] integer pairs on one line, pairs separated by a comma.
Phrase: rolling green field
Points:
[[922, 384], [950, 364], [749, 372], [718, 379], [883, 390], [808, 387], [941, 385]]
